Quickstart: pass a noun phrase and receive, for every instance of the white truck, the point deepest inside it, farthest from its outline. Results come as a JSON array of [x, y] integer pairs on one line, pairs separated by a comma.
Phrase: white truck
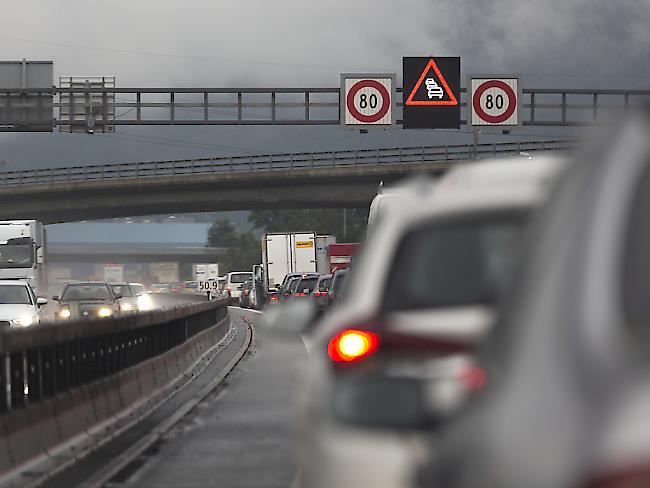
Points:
[[22, 253], [293, 252]]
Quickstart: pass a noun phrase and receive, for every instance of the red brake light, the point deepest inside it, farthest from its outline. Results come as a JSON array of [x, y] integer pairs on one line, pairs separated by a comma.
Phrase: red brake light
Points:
[[631, 477], [319, 293], [351, 345], [300, 294], [473, 377], [274, 298]]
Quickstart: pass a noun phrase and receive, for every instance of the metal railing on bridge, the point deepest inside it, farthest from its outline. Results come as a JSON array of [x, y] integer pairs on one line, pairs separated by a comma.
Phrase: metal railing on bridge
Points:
[[286, 161]]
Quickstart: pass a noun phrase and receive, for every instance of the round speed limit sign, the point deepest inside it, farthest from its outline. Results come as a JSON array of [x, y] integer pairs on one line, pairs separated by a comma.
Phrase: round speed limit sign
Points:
[[494, 101], [367, 99]]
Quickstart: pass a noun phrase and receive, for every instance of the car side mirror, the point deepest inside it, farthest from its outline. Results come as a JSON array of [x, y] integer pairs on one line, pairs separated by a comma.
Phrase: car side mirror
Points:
[[40, 301], [118, 296], [56, 298], [291, 317]]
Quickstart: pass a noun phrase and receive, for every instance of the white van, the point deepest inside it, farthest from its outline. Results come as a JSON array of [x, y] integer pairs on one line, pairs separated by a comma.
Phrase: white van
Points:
[[234, 281]]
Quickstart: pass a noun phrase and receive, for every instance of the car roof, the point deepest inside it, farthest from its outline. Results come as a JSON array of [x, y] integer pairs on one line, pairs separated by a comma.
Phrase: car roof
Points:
[[13, 282], [88, 283]]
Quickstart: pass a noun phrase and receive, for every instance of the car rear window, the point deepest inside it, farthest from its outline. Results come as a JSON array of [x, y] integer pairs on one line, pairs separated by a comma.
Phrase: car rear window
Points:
[[324, 284], [306, 285], [240, 277], [455, 263]]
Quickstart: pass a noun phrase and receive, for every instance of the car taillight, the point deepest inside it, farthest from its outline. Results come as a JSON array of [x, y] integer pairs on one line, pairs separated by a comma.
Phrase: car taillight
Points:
[[632, 477], [274, 298], [351, 345], [473, 378], [300, 294], [319, 294]]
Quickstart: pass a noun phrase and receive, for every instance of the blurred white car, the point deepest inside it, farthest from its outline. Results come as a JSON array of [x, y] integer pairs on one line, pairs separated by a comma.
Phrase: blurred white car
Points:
[[19, 307], [421, 294], [128, 297], [144, 300], [569, 391]]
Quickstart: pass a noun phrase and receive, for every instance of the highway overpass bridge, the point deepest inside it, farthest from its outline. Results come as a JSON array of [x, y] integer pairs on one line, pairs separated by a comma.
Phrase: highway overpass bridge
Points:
[[71, 253], [339, 179]]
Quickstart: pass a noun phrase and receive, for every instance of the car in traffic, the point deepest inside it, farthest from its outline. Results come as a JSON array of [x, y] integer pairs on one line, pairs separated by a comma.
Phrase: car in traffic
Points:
[[87, 300], [569, 389], [129, 299], [419, 298], [285, 283], [143, 298], [160, 288], [234, 282], [321, 291], [19, 306], [245, 298], [335, 289], [300, 286]]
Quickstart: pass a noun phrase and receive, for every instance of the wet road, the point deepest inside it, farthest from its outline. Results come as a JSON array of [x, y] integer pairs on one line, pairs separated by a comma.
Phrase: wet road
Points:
[[241, 435]]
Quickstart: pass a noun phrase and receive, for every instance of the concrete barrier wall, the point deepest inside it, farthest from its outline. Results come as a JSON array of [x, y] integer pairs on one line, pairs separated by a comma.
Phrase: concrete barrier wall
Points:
[[44, 427]]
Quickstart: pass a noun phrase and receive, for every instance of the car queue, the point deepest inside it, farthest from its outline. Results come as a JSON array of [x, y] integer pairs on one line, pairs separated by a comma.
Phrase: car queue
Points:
[[396, 354]]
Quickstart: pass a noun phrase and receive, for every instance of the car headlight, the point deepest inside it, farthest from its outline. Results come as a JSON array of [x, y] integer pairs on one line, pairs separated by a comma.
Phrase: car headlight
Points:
[[126, 307], [23, 321], [145, 302], [104, 312], [64, 313]]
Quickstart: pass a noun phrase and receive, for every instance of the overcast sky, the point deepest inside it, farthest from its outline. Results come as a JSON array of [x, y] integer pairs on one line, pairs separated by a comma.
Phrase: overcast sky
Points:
[[550, 43]]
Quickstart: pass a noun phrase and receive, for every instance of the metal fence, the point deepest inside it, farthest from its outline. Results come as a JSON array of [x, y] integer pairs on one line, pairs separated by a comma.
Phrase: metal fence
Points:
[[283, 106], [270, 162], [39, 362]]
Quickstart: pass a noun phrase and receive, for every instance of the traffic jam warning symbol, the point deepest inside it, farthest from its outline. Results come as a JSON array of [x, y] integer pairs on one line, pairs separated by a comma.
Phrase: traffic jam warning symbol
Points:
[[431, 92], [431, 88], [494, 101], [367, 99]]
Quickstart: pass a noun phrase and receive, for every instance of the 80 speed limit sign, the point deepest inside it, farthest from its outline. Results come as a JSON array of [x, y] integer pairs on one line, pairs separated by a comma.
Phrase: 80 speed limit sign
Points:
[[494, 101], [367, 99]]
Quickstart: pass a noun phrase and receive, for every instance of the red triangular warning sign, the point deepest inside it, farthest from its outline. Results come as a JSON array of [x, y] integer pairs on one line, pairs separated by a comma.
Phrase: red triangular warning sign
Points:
[[435, 88]]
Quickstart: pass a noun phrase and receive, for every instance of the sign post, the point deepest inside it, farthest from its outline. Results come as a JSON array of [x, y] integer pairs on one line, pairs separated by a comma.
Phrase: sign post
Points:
[[431, 92], [367, 100], [493, 101]]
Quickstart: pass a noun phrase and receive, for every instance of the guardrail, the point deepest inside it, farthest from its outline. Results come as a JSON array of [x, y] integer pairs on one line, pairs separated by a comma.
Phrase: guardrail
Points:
[[65, 388], [270, 162], [39, 362]]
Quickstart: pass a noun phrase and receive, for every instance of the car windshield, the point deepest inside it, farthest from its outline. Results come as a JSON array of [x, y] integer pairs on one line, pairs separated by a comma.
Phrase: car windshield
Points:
[[80, 292], [124, 290], [16, 256], [240, 277], [15, 294], [454, 264], [138, 289]]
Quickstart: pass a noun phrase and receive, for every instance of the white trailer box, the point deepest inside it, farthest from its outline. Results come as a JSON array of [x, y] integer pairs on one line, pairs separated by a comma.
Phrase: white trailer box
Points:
[[284, 253], [114, 273]]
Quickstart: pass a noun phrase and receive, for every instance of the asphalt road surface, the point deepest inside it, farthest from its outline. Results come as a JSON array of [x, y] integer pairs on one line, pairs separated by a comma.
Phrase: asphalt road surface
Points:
[[241, 435]]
